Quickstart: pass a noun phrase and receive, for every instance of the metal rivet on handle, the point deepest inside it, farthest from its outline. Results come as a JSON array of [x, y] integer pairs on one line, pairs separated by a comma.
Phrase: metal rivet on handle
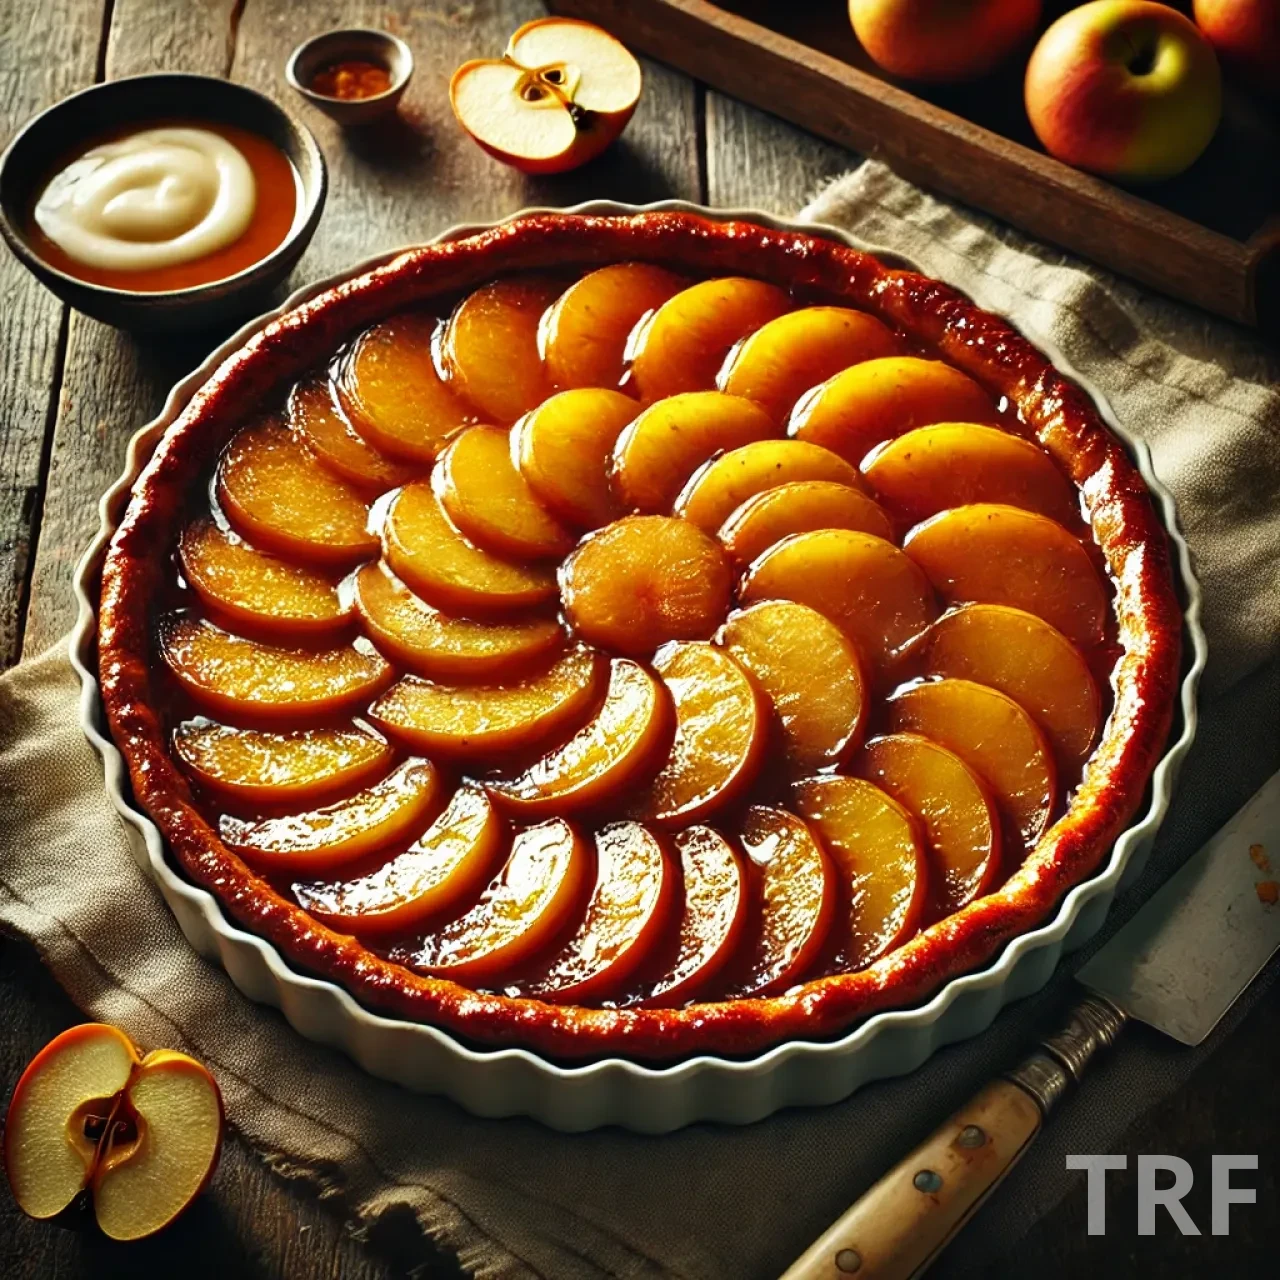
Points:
[[971, 1136], [928, 1181], [848, 1261]]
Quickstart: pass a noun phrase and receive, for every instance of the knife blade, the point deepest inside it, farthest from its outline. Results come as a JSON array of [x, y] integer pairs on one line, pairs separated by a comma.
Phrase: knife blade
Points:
[[1178, 965]]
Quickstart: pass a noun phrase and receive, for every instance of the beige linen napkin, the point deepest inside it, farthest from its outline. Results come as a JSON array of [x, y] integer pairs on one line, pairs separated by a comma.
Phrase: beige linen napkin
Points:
[[515, 1200]]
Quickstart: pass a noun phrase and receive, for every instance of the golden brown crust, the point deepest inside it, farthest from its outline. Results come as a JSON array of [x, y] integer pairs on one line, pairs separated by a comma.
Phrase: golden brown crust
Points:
[[1062, 416]]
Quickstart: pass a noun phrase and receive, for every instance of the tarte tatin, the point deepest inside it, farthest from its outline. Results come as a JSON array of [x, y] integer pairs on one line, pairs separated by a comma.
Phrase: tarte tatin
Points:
[[640, 636]]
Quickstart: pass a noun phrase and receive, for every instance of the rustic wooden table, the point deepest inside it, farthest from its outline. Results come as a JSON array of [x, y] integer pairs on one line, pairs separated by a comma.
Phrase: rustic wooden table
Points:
[[72, 391]]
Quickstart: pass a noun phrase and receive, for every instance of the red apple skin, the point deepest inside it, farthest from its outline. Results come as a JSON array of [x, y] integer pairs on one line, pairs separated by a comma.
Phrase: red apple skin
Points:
[[942, 40], [1091, 110], [1246, 36]]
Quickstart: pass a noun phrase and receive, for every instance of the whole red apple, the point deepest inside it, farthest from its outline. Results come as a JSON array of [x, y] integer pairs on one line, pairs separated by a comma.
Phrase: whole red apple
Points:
[[1246, 35], [1125, 88], [942, 40]]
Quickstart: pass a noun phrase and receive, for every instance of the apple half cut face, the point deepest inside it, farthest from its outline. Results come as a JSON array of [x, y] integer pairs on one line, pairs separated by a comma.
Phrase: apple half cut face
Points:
[[560, 95], [143, 1134]]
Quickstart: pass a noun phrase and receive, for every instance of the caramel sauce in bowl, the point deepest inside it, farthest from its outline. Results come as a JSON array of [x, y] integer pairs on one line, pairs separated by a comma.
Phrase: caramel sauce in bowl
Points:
[[215, 194]]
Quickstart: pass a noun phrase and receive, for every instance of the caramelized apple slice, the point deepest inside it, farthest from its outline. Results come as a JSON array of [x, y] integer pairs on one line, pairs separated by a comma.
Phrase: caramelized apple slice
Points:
[[722, 726], [490, 502], [234, 675], [564, 448], [627, 914], [811, 673], [717, 489], [447, 866], [449, 572], [605, 758], [961, 822], [258, 766], [878, 854], [438, 645], [800, 506], [527, 904], [670, 440], [643, 581], [491, 347], [584, 334], [953, 463], [479, 721], [1023, 656], [995, 737], [797, 888], [311, 843], [317, 418], [277, 494], [880, 399], [788, 356], [864, 584], [683, 344], [714, 918], [251, 586], [991, 554], [390, 388]]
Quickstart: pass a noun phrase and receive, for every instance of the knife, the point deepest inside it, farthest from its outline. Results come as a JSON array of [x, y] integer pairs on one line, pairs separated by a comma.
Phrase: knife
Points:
[[1178, 965]]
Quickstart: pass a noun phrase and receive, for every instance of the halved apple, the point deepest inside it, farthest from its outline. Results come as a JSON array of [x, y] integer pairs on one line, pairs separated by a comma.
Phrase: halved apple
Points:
[[477, 721], [277, 494], [799, 506], [605, 758], [259, 766], [564, 448], [644, 580], [530, 902], [995, 737], [993, 554], [879, 399], [682, 345], [490, 346], [395, 397], [716, 908], [721, 485], [443, 869], [788, 356], [397, 807], [951, 464], [1035, 664], [234, 675], [423, 547], [584, 333], [443, 646], [256, 588], [318, 419], [796, 884], [865, 585], [144, 1134], [811, 673], [878, 853], [961, 821], [561, 94], [670, 440], [722, 729], [625, 917]]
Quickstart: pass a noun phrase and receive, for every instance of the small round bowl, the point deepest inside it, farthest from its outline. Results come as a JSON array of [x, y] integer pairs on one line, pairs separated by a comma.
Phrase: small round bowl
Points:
[[143, 100], [364, 44]]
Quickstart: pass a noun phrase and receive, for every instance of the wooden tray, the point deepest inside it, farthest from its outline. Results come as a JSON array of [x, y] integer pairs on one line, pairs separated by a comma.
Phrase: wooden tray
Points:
[[1210, 236]]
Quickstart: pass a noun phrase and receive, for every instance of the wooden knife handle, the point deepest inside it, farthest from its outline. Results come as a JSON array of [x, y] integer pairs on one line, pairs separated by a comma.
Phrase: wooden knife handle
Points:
[[903, 1222]]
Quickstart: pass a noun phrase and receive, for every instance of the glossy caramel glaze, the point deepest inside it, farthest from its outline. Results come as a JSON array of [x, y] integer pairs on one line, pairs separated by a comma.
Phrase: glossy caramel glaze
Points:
[[1059, 414]]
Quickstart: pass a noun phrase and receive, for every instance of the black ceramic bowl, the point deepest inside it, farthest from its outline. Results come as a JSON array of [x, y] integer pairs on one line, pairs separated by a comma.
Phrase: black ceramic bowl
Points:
[[143, 99]]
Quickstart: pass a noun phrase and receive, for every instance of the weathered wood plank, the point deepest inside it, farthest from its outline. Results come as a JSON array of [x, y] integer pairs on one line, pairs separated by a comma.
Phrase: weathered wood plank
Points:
[[758, 161], [111, 383], [46, 51]]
